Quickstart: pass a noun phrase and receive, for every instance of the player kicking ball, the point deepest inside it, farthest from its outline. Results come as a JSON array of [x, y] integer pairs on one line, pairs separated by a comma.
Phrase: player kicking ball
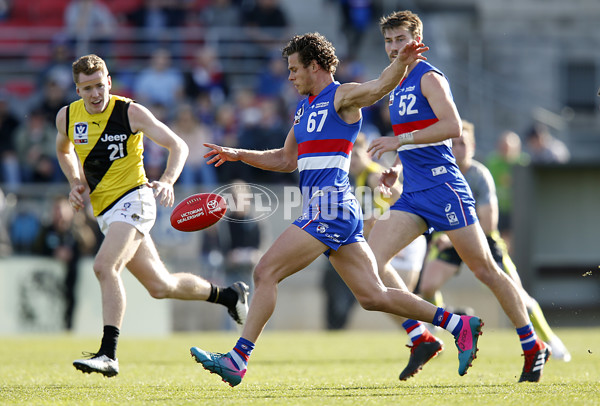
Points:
[[319, 145]]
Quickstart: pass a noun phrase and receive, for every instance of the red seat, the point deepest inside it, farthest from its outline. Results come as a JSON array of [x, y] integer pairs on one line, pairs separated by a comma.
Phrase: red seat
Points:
[[22, 87]]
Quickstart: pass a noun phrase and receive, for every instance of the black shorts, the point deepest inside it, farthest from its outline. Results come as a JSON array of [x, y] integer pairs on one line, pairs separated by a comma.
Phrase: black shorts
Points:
[[450, 256]]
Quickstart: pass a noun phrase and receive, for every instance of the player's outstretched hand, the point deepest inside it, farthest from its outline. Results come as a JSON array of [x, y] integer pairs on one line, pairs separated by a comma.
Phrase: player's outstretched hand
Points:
[[220, 155], [411, 52], [163, 191], [387, 179]]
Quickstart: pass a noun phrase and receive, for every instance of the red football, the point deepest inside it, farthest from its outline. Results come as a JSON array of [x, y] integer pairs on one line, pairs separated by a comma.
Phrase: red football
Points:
[[198, 211]]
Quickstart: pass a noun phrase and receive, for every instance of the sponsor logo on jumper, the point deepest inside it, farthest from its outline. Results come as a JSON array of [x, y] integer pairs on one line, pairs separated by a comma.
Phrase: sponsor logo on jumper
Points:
[[114, 137], [405, 90], [80, 131]]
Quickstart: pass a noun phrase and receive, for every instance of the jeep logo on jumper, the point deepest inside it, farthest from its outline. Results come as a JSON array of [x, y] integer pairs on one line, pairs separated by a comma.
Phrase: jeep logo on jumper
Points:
[[247, 202], [114, 138]]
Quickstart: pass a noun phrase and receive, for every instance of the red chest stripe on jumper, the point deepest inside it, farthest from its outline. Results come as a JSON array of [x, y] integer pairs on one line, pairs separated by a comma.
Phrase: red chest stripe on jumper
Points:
[[413, 126], [323, 146]]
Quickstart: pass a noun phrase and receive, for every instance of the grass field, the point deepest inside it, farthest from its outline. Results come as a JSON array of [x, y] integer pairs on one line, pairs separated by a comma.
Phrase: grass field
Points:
[[296, 368]]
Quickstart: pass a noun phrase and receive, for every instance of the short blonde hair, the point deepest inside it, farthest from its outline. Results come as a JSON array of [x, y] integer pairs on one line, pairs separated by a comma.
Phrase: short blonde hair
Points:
[[87, 65]]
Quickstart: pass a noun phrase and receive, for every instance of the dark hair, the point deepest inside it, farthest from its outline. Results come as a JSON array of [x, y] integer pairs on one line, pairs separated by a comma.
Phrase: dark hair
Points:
[[402, 19], [312, 46], [87, 65]]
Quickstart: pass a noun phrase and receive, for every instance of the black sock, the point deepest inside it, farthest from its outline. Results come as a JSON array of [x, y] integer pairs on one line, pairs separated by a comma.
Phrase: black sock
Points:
[[109, 342], [225, 296]]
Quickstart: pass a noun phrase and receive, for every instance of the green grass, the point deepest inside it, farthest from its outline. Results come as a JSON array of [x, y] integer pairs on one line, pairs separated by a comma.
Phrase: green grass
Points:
[[296, 368]]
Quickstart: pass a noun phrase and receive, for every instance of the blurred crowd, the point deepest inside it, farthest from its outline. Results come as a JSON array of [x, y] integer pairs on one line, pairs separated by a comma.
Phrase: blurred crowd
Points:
[[185, 86], [189, 90]]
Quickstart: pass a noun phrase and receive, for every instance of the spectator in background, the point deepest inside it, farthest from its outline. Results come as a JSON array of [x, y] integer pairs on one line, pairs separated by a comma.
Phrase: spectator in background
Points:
[[58, 67], [230, 122], [206, 77], [273, 81], [157, 18], [501, 164], [357, 17], [265, 23], [24, 226], [90, 26], [219, 17], [36, 146], [9, 162], [52, 98], [544, 148], [151, 18], [225, 131], [160, 83], [221, 14], [247, 105], [66, 237], [267, 132], [194, 133], [225, 126], [204, 109]]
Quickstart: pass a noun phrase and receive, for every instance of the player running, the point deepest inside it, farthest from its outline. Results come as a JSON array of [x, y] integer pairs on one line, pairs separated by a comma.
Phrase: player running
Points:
[[99, 146], [436, 195]]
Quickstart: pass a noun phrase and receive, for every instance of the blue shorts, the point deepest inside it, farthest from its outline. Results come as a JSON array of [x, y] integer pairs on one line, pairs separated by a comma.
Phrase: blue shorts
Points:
[[336, 225], [445, 207]]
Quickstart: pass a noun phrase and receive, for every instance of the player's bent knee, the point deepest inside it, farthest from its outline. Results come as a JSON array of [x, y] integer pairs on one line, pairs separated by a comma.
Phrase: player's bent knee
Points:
[[487, 275], [370, 302], [263, 275], [158, 290]]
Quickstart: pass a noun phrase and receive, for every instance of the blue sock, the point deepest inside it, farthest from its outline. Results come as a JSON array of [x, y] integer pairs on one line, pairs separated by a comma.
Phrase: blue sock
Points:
[[241, 353], [449, 321], [527, 336]]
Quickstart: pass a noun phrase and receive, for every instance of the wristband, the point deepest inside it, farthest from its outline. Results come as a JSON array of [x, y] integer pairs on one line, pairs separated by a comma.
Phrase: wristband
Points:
[[406, 138]]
